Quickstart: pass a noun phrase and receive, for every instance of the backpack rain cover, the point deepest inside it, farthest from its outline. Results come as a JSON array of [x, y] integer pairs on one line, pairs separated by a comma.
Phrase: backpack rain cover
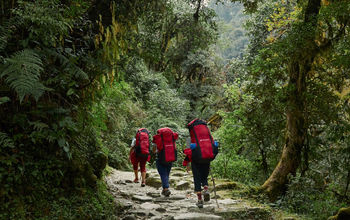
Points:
[[205, 150]]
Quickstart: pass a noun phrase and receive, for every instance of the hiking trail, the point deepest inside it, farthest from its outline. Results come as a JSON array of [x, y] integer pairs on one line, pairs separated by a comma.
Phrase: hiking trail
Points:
[[136, 202]]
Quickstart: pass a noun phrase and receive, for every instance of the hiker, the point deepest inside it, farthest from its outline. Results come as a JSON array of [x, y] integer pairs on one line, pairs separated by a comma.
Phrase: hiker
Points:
[[201, 150], [165, 147], [140, 154]]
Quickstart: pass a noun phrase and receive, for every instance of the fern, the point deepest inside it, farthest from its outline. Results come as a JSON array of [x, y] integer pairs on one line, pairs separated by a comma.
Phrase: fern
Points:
[[68, 64], [3, 38], [38, 125], [22, 71], [5, 141], [4, 100]]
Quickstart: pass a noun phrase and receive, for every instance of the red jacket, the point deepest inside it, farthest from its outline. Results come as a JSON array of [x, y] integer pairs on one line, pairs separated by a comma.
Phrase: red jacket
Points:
[[188, 158]]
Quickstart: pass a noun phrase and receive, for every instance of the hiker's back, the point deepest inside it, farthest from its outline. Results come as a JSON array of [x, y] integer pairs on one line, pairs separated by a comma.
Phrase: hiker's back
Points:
[[166, 146], [142, 147], [202, 145]]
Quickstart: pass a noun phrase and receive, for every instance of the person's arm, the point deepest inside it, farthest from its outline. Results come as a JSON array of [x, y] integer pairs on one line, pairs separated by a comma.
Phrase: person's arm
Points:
[[133, 143], [154, 148], [132, 146], [188, 168]]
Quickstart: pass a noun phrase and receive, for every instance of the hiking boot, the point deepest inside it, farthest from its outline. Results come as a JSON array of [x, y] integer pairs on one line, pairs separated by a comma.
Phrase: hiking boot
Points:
[[206, 194], [166, 193], [143, 184], [200, 204]]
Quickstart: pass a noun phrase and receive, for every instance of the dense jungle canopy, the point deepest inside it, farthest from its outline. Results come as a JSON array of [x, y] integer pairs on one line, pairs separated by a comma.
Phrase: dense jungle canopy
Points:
[[79, 77]]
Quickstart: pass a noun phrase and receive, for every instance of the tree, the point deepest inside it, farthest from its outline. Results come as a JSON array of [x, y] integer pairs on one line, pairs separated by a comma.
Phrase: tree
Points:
[[296, 40]]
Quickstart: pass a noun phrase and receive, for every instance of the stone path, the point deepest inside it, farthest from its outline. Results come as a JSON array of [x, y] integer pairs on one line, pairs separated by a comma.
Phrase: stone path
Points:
[[138, 202]]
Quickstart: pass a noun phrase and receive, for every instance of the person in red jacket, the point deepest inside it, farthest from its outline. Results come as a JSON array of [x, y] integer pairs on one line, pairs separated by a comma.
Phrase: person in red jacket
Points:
[[166, 154], [201, 150], [136, 162], [200, 173]]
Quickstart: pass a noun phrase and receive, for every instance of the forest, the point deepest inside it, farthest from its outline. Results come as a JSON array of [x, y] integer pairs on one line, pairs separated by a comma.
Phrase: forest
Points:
[[79, 77]]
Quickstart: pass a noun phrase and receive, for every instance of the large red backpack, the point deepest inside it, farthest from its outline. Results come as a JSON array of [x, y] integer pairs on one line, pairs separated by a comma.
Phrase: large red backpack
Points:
[[142, 146], [165, 141], [202, 143]]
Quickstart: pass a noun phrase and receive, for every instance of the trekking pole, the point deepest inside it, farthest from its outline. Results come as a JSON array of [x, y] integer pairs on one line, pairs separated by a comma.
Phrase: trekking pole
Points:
[[216, 198]]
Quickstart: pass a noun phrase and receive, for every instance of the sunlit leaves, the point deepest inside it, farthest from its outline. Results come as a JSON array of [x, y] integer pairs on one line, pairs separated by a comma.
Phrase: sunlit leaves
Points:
[[284, 15]]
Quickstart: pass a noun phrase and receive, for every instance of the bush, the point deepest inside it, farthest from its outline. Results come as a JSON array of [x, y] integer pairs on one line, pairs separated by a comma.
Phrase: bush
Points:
[[234, 167], [304, 196]]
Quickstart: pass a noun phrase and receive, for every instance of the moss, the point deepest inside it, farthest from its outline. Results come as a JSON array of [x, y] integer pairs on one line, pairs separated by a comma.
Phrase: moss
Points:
[[89, 176], [99, 163], [343, 214], [89, 203], [154, 182], [226, 185]]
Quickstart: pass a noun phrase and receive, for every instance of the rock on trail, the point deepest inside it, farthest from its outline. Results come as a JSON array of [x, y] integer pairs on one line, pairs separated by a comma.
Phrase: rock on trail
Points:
[[138, 202]]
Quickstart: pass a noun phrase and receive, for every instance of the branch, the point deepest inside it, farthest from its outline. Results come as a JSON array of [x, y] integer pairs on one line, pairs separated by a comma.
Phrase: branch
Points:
[[196, 15], [330, 42]]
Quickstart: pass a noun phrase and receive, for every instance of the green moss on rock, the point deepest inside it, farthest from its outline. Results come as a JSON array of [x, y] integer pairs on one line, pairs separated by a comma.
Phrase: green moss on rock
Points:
[[154, 182], [343, 214], [99, 163]]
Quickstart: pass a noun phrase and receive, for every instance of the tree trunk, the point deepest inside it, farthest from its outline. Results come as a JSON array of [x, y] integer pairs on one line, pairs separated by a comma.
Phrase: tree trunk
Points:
[[263, 159], [298, 70], [295, 137]]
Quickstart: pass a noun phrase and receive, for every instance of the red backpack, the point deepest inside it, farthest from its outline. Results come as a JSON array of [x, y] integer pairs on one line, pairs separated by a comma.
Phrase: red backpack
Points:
[[165, 141], [203, 147], [142, 146]]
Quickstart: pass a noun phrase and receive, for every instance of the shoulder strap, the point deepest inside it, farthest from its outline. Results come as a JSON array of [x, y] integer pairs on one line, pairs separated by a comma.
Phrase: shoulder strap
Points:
[[161, 137]]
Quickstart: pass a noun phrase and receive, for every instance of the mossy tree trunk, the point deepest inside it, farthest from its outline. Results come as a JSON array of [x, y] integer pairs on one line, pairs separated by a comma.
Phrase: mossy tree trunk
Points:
[[296, 130], [298, 69]]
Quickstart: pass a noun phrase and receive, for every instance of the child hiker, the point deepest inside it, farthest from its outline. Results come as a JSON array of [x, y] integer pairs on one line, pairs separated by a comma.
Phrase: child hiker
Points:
[[201, 150], [140, 154], [166, 155]]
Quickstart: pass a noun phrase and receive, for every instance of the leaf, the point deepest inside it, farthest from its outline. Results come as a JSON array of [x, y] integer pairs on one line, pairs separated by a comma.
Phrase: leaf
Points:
[[5, 141], [22, 72], [61, 142], [66, 148], [4, 100], [70, 92], [38, 125]]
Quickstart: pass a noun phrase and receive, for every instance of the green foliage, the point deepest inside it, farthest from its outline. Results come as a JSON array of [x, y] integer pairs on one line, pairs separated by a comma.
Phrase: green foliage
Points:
[[88, 204], [42, 155], [163, 104], [245, 133], [46, 20], [280, 38], [21, 72], [232, 38], [306, 196], [117, 117], [232, 166]]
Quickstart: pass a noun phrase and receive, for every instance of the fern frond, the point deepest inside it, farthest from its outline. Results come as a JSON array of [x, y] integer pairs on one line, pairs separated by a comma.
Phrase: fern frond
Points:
[[3, 38], [38, 125], [77, 72], [5, 141], [22, 71], [4, 100], [68, 64]]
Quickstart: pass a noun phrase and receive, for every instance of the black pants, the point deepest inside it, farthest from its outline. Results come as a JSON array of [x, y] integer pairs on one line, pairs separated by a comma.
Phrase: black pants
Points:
[[200, 173]]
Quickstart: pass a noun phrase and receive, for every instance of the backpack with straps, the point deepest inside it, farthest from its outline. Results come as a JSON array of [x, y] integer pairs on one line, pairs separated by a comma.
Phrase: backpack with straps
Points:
[[166, 146], [203, 147], [142, 146]]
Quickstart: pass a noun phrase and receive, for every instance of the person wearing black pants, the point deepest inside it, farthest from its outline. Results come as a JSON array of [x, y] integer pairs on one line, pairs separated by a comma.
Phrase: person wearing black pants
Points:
[[200, 173]]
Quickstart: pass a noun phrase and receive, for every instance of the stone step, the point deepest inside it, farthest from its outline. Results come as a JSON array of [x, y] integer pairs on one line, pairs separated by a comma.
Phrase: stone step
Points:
[[196, 216]]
